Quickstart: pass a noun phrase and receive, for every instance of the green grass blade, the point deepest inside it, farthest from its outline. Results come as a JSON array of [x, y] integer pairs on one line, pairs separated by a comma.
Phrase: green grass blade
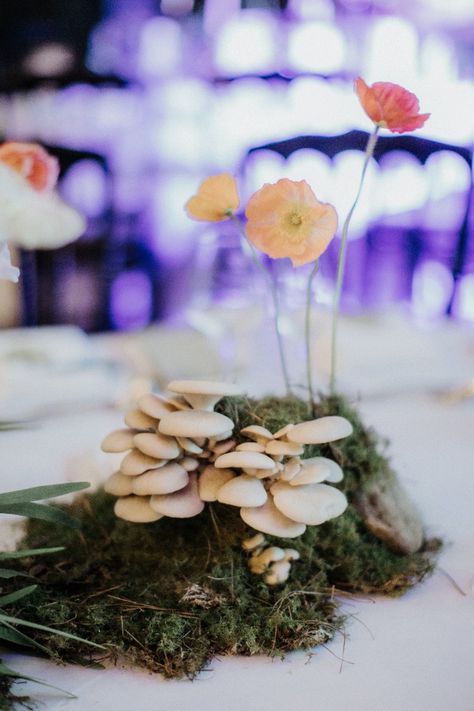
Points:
[[16, 595], [37, 493], [7, 573], [34, 625], [29, 553], [11, 634], [6, 671], [40, 511]]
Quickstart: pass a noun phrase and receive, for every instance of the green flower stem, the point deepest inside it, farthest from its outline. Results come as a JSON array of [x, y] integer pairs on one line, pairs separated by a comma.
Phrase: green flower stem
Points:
[[313, 273], [369, 151], [276, 301]]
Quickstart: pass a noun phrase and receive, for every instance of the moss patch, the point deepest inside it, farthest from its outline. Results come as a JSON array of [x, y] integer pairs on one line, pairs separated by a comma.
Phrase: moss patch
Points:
[[172, 595]]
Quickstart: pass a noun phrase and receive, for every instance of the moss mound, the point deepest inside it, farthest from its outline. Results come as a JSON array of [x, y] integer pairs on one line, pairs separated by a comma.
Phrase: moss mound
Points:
[[172, 595]]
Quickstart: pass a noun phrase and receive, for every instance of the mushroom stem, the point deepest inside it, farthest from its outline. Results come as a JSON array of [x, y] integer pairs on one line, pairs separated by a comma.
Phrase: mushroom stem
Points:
[[309, 373]]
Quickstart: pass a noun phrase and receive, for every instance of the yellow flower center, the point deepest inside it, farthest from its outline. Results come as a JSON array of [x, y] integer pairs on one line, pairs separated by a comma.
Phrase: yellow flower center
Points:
[[293, 224]]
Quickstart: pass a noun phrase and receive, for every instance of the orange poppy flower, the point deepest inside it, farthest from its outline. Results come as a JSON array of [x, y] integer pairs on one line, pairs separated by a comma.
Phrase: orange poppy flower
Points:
[[32, 162], [390, 106], [285, 219], [217, 199]]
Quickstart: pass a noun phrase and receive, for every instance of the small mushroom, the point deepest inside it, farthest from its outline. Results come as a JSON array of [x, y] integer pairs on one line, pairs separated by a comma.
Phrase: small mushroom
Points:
[[227, 445], [257, 433], [242, 490], [254, 542], [203, 394], [320, 431], [313, 471], [311, 504], [136, 509], [172, 477], [119, 485], [155, 406], [291, 468], [244, 460], [283, 432], [335, 472], [211, 480], [118, 441], [182, 504], [277, 448], [135, 462], [138, 420], [250, 447], [278, 572], [260, 562], [268, 519], [189, 445], [291, 554], [189, 463], [195, 423], [157, 445]]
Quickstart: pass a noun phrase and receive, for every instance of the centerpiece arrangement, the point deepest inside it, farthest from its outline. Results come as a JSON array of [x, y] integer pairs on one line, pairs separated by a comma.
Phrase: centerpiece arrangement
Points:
[[235, 525]]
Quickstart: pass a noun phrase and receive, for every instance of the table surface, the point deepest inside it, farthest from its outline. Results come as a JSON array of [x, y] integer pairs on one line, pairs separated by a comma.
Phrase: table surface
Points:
[[412, 653]]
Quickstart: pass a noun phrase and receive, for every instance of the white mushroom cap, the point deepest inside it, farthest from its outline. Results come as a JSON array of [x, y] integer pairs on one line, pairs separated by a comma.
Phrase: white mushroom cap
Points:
[[182, 504], [211, 480], [277, 447], [313, 471], [119, 485], [291, 469], [291, 554], [254, 542], [156, 445], [189, 463], [278, 573], [195, 423], [203, 394], [256, 432], [155, 406], [242, 490], [135, 462], [136, 509], [283, 431], [118, 441], [189, 445], [227, 445], [244, 460], [139, 421], [172, 477], [335, 472], [260, 562], [320, 431], [268, 519], [250, 447], [312, 504]]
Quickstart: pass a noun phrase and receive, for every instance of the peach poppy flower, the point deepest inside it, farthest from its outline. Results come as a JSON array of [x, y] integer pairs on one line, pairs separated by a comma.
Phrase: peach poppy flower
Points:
[[285, 219], [390, 106], [32, 162], [216, 199]]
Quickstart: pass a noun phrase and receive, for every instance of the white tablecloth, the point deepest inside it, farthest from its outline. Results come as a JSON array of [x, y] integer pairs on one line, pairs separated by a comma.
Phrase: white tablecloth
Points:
[[411, 654]]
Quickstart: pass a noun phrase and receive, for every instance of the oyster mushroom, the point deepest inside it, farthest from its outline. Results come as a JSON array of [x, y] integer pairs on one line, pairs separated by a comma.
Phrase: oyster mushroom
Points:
[[184, 503], [155, 406], [138, 420], [245, 460], [156, 445], [211, 480], [195, 423], [312, 471], [118, 441], [136, 509], [277, 448], [268, 519], [203, 394], [311, 504], [320, 431], [135, 462], [119, 484], [172, 477], [242, 490]]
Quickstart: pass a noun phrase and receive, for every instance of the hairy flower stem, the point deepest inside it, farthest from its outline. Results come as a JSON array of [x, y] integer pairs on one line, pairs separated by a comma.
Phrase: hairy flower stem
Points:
[[309, 375], [275, 299], [369, 151]]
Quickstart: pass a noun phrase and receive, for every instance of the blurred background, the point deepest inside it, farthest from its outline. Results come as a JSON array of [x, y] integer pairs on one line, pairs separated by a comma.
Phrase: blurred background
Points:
[[141, 99]]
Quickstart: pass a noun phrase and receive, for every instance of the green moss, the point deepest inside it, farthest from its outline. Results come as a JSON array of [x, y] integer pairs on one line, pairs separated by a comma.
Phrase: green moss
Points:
[[172, 595]]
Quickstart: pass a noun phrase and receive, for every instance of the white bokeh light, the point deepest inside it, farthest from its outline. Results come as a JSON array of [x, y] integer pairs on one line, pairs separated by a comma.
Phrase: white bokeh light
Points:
[[317, 47], [247, 44]]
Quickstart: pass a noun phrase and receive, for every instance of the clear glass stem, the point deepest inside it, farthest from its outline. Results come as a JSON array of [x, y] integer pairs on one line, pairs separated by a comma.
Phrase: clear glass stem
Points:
[[309, 374], [369, 151], [276, 302]]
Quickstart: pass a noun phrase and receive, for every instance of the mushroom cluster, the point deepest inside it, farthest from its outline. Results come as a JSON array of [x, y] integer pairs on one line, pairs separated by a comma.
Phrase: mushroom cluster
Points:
[[181, 454]]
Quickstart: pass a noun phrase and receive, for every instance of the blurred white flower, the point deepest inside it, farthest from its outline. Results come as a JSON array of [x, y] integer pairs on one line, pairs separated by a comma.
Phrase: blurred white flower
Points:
[[7, 270], [32, 219]]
